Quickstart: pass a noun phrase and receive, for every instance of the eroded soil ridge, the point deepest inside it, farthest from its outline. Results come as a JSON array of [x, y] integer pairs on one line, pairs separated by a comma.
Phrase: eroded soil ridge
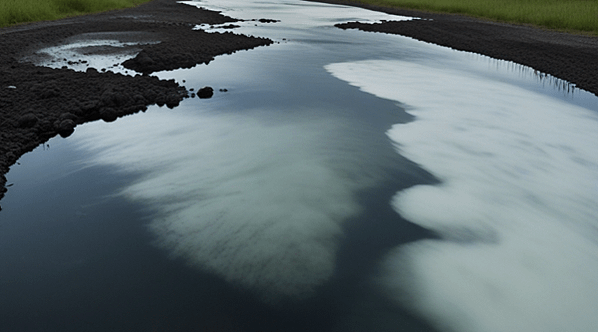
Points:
[[38, 103], [569, 57]]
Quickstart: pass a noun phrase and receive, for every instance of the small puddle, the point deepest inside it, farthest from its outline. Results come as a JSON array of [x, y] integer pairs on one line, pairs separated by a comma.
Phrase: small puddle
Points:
[[105, 51]]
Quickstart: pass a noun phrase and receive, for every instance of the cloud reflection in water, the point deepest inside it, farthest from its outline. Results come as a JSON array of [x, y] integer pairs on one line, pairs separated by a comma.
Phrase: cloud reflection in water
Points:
[[517, 206], [255, 200]]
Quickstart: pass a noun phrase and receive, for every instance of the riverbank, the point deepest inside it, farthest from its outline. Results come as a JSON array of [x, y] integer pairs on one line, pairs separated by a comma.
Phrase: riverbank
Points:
[[574, 16], [37, 103], [570, 57]]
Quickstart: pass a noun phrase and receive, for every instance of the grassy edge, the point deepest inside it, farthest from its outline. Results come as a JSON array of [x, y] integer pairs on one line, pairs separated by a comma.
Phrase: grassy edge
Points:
[[455, 11], [52, 10]]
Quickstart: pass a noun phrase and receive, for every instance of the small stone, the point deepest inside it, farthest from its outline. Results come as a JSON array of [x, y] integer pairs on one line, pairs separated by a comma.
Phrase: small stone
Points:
[[67, 115], [267, 20], [205, 92], [108, 114], [172, 101], [65, 127]]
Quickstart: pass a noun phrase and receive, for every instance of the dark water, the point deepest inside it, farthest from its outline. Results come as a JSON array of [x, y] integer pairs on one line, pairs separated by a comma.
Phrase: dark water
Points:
[[285, 180], [77, 256]]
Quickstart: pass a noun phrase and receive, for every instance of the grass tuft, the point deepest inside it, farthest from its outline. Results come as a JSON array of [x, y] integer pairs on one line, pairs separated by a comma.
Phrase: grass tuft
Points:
[[22, 11], [579, 16]]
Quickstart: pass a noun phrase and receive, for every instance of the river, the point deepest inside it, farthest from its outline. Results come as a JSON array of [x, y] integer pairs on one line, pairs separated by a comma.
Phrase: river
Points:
[[336, 181]]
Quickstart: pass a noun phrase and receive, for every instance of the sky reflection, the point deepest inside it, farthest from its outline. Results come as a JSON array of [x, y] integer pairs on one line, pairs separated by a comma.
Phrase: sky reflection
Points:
[[517, 205], [255, 200], [285, 183]]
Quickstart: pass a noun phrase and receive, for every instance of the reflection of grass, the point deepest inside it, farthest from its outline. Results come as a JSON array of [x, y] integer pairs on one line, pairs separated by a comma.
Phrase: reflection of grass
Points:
[[19, 11], [569, 15]]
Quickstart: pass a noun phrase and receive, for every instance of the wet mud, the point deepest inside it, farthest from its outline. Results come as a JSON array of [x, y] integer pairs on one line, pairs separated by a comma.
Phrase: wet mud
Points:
[[573, 58], [38, 103]]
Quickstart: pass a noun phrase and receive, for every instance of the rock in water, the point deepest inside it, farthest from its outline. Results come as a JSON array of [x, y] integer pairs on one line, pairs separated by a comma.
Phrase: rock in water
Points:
[[205, 92]]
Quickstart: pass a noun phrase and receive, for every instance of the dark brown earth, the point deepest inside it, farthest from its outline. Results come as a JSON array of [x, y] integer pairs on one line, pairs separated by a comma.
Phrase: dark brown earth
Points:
[[38, 103]]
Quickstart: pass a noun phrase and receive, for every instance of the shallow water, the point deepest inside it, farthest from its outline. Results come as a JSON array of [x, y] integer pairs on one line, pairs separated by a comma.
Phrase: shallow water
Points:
[[279, 204], [104, 51]]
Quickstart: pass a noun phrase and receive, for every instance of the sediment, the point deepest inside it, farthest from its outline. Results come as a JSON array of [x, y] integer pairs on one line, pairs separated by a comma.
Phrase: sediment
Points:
[[566, 56], [38, 103]]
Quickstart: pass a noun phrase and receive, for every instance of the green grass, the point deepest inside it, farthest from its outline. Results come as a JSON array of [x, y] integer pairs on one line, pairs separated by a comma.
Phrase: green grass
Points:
[[579, 16], [21, 11]]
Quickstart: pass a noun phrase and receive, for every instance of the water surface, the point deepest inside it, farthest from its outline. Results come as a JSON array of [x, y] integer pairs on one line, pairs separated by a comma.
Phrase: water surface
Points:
[[343, 181]]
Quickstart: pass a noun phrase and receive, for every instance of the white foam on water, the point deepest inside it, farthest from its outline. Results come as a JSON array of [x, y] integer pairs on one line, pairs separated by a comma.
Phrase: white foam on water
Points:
[[517, 205], [252, 199]]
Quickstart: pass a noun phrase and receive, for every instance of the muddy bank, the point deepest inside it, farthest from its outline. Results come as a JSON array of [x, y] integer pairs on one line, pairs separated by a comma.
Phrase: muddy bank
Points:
[[38, 103], [573, 58]]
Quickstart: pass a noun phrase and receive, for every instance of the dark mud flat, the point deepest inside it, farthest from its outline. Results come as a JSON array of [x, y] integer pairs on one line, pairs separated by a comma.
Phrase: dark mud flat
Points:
[[38, 103], [573, 58]]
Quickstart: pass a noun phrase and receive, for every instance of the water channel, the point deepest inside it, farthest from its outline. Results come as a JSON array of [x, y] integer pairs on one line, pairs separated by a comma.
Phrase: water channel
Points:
[[337, 181]]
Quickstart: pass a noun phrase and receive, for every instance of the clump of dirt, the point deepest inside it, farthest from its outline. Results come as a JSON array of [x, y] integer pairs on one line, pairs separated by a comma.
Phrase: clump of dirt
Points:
[[38, 103], [576, 64], [160, 56]]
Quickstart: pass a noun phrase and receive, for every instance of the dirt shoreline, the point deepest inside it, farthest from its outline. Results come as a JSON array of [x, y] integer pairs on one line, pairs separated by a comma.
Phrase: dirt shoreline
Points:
[[39, 103], [570, 57]]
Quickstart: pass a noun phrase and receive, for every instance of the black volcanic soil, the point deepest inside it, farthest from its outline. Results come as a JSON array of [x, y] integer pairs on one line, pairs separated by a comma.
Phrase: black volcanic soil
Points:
[[573, 58], [38, 103]]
